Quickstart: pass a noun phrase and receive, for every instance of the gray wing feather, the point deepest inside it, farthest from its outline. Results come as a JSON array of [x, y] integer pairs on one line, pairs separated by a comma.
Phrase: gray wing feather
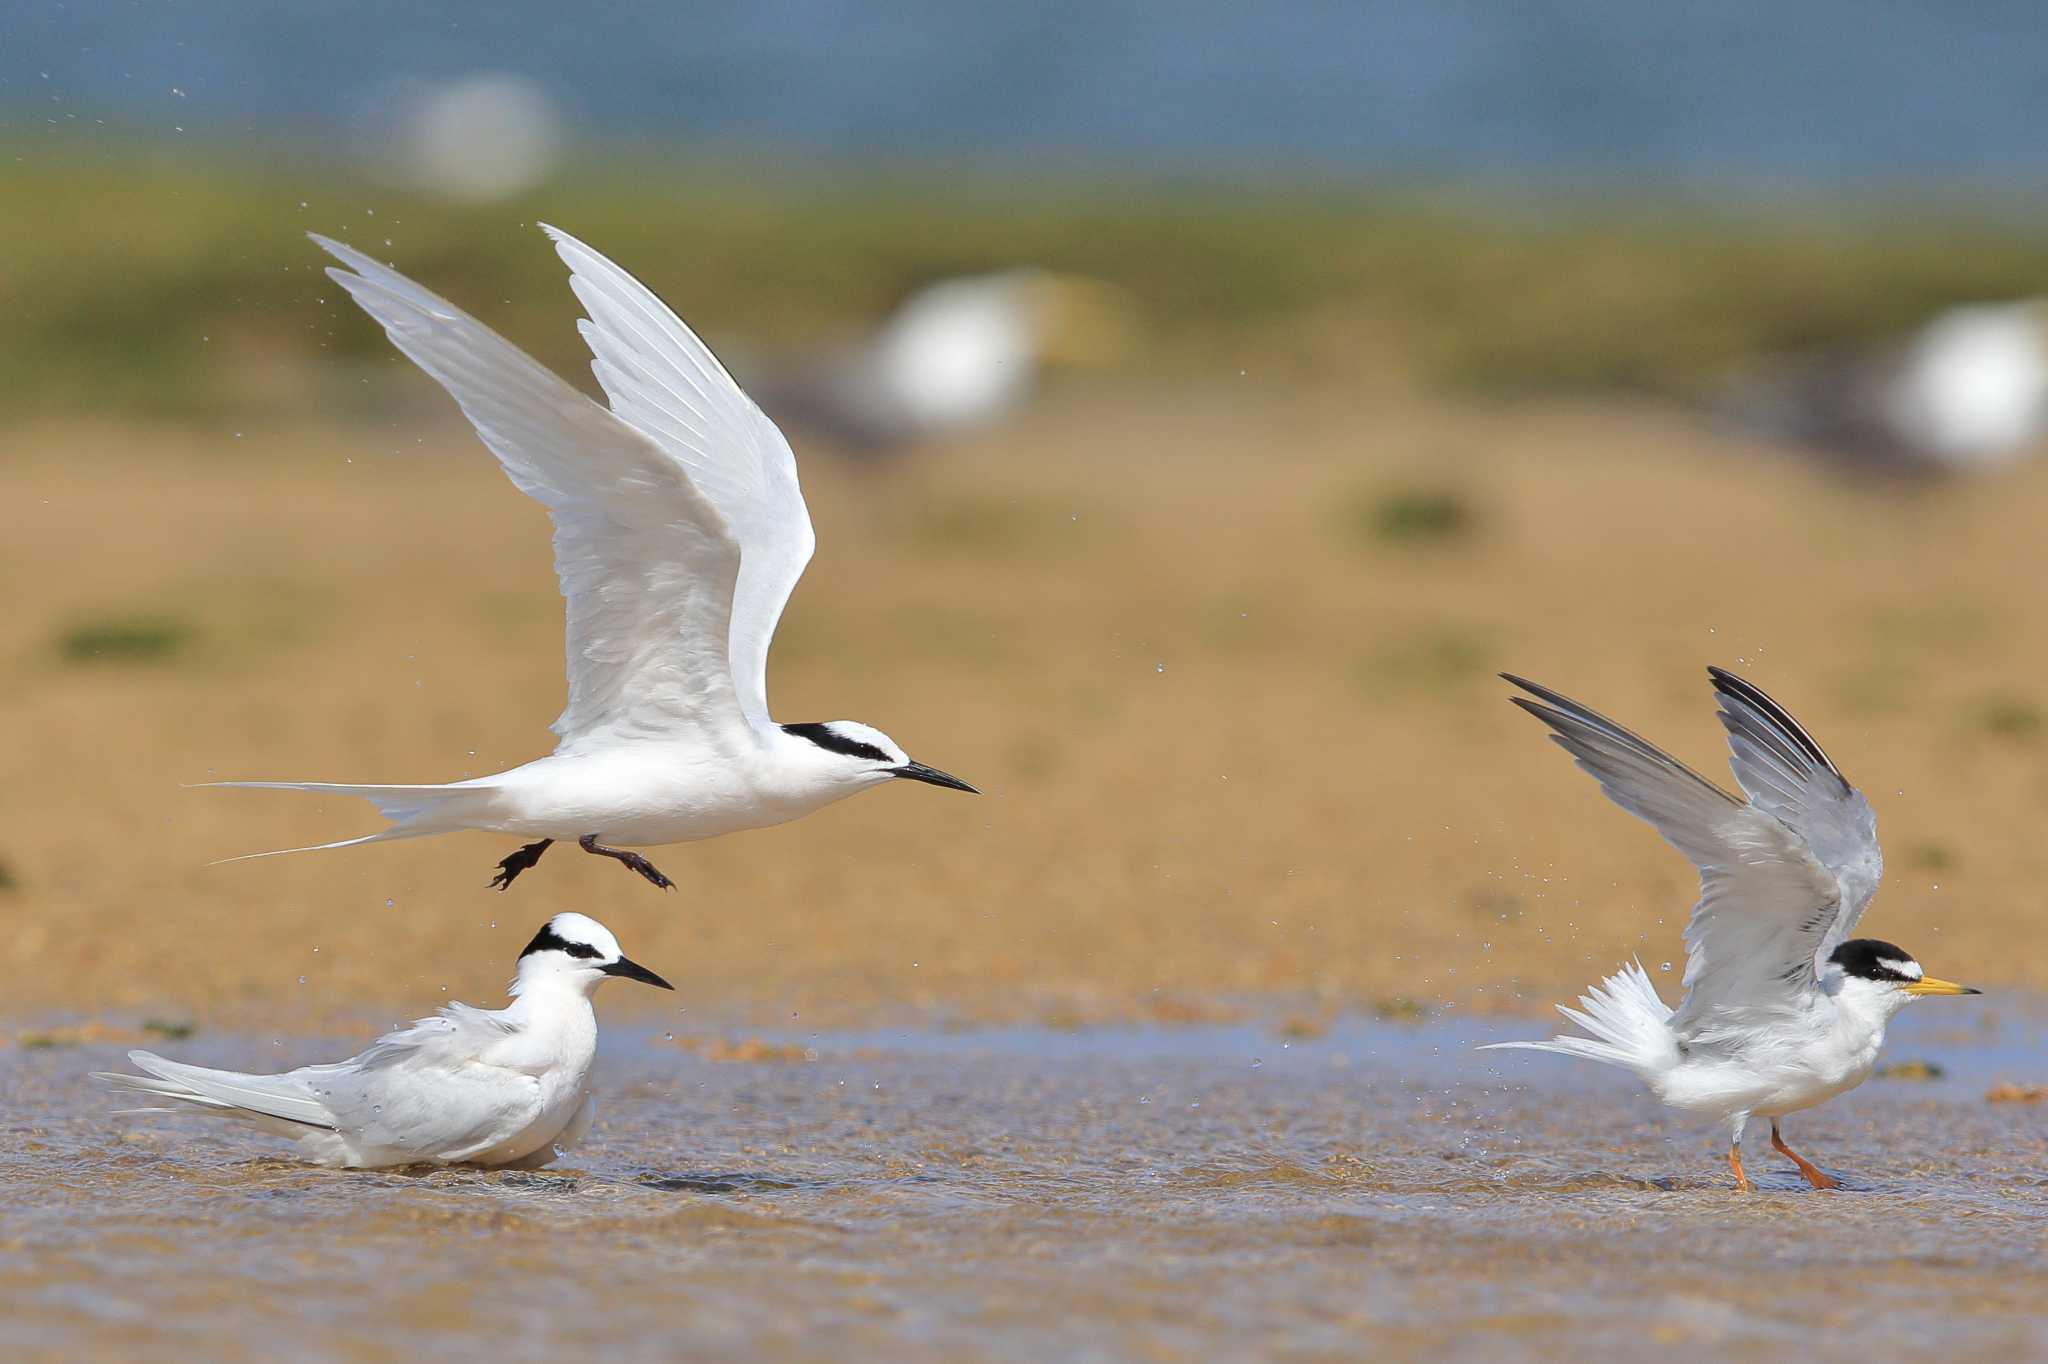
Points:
[[1784, 772], [1767, 903], [1636, 775]]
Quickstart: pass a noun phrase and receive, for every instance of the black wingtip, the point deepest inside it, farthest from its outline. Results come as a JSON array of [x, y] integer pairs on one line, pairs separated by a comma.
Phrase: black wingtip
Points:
[[1730, 684], [1557, 703]]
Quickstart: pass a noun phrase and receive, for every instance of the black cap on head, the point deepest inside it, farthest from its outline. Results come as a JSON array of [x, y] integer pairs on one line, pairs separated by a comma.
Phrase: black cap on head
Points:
[[1875, 959]]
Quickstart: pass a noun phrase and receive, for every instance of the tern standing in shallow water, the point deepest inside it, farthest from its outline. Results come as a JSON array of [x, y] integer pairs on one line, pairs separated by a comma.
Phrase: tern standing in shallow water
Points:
[[679, 533], [1782, 1009], [506, 1087]]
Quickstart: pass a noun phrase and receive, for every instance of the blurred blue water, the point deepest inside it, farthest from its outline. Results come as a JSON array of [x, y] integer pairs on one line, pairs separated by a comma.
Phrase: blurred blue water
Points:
[[1715, 96]]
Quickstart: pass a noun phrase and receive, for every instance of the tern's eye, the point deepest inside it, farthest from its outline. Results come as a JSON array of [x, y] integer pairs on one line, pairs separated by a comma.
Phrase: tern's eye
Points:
[[581, 949]]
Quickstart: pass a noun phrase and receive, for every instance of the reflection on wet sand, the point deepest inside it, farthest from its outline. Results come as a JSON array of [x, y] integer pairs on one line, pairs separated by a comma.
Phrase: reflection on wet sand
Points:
[[1034, 1194]]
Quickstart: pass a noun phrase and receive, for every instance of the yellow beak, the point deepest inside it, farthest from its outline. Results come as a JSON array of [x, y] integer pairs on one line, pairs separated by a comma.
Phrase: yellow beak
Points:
[[1931, 986]]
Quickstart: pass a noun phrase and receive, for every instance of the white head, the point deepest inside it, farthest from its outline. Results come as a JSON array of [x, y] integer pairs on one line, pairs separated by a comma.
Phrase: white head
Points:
[[575, 952], [850, 755], [1881, 978]]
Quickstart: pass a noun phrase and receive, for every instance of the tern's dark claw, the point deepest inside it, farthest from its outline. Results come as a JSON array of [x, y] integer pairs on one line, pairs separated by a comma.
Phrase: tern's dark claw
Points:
[[648, 870], [509, 869]]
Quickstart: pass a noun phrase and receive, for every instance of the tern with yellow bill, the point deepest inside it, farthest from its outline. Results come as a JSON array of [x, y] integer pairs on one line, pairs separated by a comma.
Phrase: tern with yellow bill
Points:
[[1782, 1010]]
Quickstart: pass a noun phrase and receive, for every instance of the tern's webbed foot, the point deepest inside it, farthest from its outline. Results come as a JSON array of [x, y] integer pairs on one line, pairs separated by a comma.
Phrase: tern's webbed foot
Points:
[[509, 869], [634, 860]]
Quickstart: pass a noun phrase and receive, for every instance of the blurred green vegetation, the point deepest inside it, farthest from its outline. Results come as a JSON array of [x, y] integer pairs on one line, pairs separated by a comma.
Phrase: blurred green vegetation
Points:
[[1414, 515], [139, 282], [126, 639], [2010, 717]]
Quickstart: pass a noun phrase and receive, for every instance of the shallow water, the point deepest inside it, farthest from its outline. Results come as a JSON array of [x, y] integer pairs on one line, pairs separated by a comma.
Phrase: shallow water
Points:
[[1160, 1193]]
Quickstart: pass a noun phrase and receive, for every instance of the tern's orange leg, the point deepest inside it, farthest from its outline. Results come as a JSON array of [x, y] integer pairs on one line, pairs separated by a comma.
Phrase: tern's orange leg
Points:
[[1742, 1184], [1819, 1178]]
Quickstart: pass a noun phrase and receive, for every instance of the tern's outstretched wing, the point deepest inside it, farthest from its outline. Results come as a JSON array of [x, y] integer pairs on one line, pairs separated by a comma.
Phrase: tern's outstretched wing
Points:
[[1785, 773], [665, 382], [1767, 904], [648, 565]]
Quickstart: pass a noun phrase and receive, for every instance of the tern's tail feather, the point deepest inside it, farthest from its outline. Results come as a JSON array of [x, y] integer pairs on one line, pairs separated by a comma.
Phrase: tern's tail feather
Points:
[[414, 811], [277, 1101], [1630, 1026]]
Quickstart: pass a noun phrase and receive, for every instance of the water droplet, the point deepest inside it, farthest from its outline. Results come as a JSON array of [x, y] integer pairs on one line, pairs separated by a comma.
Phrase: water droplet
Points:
[[391, 904], [1665, 967], [1158, 667], [668, 1037], [1257, 1063], [302, 980]]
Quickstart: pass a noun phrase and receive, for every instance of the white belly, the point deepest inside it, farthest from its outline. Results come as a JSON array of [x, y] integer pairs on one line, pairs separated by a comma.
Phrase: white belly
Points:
[[1785, 1076], [641, 797]]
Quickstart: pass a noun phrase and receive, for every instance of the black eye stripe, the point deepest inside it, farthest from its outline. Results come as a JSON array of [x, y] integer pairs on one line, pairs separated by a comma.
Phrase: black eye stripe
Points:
[[833, 741], [547, 940]]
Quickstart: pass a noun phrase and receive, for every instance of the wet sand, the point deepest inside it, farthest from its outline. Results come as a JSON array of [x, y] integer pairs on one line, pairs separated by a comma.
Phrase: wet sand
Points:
[[1154, 1193]]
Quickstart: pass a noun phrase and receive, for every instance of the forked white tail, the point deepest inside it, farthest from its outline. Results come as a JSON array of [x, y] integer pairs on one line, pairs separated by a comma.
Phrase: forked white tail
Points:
[[414, 811]]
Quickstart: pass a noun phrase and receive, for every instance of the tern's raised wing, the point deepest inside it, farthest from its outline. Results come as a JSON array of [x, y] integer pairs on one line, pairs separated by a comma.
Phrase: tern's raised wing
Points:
[[1785, 773], [1766, 905], [648, 565], [664, 381]]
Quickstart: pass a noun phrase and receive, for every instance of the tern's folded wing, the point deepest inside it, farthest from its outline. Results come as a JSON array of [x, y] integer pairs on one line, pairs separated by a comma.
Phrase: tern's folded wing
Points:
[[424, 1089], [1765, 902], [648, 565], [664, 381]]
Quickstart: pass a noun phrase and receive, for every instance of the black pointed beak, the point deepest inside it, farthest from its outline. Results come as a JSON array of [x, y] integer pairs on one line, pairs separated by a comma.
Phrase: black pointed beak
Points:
[[919, 772], [626, 969]]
